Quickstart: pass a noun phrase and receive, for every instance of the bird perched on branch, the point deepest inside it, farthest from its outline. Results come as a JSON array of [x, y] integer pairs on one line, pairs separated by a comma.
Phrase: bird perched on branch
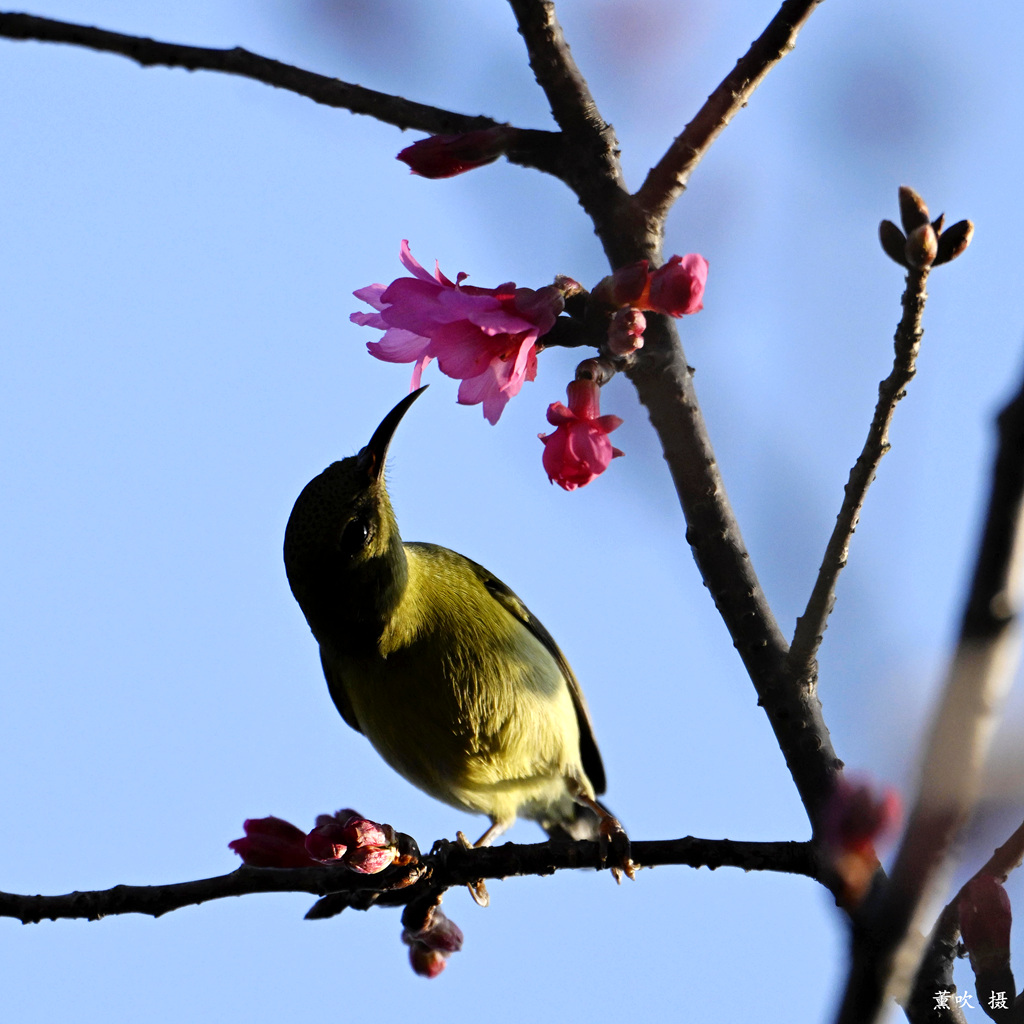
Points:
[[438, 663]]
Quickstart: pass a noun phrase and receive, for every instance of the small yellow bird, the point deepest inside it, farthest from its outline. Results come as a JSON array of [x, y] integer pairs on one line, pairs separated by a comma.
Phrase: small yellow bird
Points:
[[438, 663]]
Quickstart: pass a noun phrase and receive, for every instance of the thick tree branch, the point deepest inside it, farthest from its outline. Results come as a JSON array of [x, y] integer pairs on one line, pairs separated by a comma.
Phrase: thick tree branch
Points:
[[448, 865], [667, 180], [572, 104], [810, 627], [664, 383], [887, 949]]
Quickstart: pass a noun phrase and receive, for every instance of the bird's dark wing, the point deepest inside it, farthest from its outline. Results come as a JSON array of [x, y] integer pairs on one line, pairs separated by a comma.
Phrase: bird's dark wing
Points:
[[506, 597], [339, 694]]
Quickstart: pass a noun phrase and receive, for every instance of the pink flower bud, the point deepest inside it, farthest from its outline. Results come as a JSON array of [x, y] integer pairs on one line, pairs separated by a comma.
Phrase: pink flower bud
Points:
[[372, 847], [857, 816], [677, 288], [854, 819], [426, 962], [444, 156], [431, 945], [368, 860], [272, 843], [364, 846], [985, 918], [626, 286], [626, 331], [579, 449], [441, 933], [324, 843]]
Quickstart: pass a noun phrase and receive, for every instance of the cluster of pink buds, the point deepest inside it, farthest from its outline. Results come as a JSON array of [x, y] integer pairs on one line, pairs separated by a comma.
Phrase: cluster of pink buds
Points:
[[677, 288], [346, 836], [488, 338], [364, 846], [432, 943]]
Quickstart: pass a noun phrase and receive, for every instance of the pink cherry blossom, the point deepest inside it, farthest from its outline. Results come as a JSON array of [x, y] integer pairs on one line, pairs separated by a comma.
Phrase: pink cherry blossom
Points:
[[579, 449], [485, 337]]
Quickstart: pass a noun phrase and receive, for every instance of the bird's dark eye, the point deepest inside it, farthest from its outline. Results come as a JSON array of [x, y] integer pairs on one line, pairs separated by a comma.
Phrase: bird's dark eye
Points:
[[354, 536]]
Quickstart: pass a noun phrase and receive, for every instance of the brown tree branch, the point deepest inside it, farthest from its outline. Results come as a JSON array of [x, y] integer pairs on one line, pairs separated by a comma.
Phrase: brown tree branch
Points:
[[572, 104], [810, 626], [539, 149], [888, 946], [664, 383], [667, 180], [449, 864]]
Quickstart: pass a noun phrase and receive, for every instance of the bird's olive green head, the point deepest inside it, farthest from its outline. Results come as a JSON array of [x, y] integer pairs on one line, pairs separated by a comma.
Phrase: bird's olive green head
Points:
[[342, 550]]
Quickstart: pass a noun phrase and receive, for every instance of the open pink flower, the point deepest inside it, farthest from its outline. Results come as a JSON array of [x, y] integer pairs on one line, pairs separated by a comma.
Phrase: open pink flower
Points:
[[485, 337], [579, 448], [444, 156]]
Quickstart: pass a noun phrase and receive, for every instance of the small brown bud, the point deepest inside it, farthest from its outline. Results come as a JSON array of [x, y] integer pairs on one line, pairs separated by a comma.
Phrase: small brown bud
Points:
[[938, 222], [893, 241], [953, 241], [922, 246], [598, 370], [913, 211], [568, 286]]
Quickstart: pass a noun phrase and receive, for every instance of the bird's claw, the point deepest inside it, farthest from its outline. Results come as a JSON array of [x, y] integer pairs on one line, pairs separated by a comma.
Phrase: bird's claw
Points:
[[615, 852], [477, 889]]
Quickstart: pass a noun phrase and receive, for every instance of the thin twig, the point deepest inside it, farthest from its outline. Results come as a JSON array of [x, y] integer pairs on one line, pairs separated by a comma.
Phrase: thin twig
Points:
[[667, 180], [449, 865], [889, 947], [331, 92], [907, 343]]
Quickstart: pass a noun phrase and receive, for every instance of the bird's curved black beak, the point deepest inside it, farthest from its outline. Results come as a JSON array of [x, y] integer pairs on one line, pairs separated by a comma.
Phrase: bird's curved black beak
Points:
[[371, 458]]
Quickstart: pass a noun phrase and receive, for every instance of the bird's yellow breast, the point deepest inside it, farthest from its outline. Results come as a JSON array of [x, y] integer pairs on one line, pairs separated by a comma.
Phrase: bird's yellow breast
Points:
[[463, 699]]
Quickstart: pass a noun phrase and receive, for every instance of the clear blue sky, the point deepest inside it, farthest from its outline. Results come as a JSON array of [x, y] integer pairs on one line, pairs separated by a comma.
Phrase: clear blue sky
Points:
[[177, 257]]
